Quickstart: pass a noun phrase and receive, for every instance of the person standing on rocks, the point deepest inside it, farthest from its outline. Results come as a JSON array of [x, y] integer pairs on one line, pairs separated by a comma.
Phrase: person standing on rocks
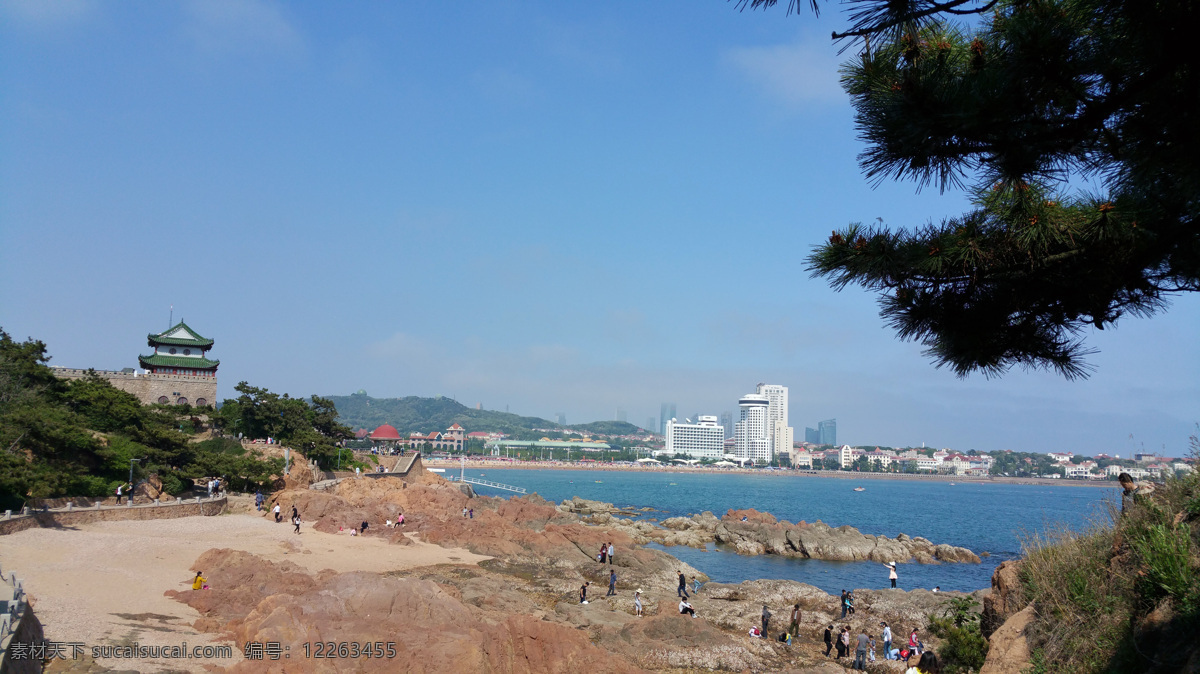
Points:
[[844, 642], [860, 651], [845, 604], [695, 586], [766, 620], [603, 555], [278, 517], [892, 574], [610, 553], [612, 583], [296, 520], [637, 603], [583, 593], [363, 528], [828, 640], [794, 627], [887, 641], [682, 586]]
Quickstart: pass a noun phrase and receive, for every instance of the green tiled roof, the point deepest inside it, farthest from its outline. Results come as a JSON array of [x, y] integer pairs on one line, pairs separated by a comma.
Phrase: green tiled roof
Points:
[[194, 340], [159, 360]]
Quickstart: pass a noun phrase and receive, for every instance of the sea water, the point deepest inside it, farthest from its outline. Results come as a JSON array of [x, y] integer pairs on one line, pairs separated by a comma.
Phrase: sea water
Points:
[[990, 518]]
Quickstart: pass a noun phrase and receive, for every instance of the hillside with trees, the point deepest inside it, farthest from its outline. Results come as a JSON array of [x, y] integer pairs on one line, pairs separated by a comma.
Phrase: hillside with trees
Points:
[[416, 414], [84, 437]]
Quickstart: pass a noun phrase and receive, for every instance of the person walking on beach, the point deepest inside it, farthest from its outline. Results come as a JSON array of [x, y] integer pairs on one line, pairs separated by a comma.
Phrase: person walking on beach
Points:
[[828, 640], [258, 500], [278, 517], [766, 620], [296, 521], [892, 574], [612, 584], [610, 553], [637, 603], [860, 651], [794, 626], [682, 586], [887, 641]]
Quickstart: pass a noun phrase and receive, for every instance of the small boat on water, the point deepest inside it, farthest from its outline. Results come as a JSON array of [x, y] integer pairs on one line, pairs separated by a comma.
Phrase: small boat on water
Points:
[[859, 489], [951, 484], [599, 481]]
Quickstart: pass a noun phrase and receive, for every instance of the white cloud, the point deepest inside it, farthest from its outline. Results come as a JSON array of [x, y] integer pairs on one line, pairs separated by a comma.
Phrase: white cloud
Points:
[[798, 74], [238, 27]]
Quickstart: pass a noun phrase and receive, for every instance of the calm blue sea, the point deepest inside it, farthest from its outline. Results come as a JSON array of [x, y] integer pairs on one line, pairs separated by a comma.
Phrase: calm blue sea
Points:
[[992, 518]]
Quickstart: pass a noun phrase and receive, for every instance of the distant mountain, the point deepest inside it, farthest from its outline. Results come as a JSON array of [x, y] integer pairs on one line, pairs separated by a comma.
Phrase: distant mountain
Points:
[[413, 413]]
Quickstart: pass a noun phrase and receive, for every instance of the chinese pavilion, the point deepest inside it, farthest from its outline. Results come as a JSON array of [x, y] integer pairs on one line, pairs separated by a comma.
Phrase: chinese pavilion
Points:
[[179, 350]]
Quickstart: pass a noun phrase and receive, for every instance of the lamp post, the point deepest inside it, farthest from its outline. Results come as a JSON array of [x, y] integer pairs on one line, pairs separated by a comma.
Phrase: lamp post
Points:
[[131, 462]]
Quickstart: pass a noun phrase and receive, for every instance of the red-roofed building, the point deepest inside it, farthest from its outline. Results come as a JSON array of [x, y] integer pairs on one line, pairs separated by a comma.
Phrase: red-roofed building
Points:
[[361, 434]]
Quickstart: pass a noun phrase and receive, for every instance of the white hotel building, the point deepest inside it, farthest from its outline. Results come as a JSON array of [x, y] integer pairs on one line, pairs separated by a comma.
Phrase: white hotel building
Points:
[[752, 431], [704, 439]]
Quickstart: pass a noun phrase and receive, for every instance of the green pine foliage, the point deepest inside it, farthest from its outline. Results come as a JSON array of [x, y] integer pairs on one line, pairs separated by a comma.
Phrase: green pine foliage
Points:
[[963, 647], [1021, 106]]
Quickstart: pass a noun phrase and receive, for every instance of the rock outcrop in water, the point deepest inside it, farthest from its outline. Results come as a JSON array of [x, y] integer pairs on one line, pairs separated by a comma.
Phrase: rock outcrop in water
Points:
[[760, 534]]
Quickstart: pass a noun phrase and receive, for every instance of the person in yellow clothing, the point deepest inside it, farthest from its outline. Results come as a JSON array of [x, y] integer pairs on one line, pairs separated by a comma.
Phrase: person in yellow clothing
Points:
[[199, 582]]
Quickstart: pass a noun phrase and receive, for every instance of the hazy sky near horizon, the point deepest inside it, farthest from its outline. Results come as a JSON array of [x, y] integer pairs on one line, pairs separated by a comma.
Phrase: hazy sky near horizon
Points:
[[545, 206]]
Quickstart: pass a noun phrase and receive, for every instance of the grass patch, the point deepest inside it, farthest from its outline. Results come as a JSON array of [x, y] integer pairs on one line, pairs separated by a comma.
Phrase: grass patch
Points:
[[1117, 597]]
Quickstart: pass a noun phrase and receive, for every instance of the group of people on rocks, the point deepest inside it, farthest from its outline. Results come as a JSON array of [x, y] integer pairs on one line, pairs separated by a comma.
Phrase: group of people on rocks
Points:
[[863, 647]]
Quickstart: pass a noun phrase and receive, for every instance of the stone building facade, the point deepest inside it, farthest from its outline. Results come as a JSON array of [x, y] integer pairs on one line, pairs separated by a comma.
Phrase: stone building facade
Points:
[[175, 389], [178, 372]]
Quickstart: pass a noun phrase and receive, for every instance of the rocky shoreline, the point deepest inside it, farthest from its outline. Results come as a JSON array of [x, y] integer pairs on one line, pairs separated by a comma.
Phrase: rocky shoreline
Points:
[[750, 532], [519, 610]]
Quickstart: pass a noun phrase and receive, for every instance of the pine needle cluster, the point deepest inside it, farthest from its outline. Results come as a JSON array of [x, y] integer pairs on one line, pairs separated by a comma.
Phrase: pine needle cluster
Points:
[[1019, 102]]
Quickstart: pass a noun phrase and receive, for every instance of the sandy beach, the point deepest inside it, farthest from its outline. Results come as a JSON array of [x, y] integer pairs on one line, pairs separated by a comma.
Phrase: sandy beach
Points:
[[103, 583]]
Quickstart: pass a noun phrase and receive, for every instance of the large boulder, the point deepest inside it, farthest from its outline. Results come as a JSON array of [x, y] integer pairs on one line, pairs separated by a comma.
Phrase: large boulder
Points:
[[1005, 597], [1008, 648]]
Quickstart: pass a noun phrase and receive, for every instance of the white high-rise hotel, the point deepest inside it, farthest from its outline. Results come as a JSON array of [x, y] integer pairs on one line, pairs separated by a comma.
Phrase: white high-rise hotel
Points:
[[704, 439], [763, 431]]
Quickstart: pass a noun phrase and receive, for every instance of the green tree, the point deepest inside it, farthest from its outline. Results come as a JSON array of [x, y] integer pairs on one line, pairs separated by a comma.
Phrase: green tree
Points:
[[1021, 106]]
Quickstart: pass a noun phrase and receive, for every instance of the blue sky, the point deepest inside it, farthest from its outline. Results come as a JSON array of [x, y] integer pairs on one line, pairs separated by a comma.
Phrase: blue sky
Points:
[[554, 207]]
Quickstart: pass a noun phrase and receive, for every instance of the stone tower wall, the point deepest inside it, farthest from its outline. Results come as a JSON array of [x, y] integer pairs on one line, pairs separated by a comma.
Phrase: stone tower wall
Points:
[[149, 388]]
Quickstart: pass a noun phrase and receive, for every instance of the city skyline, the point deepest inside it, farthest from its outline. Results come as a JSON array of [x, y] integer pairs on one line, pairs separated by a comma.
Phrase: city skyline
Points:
[[552, 217]]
